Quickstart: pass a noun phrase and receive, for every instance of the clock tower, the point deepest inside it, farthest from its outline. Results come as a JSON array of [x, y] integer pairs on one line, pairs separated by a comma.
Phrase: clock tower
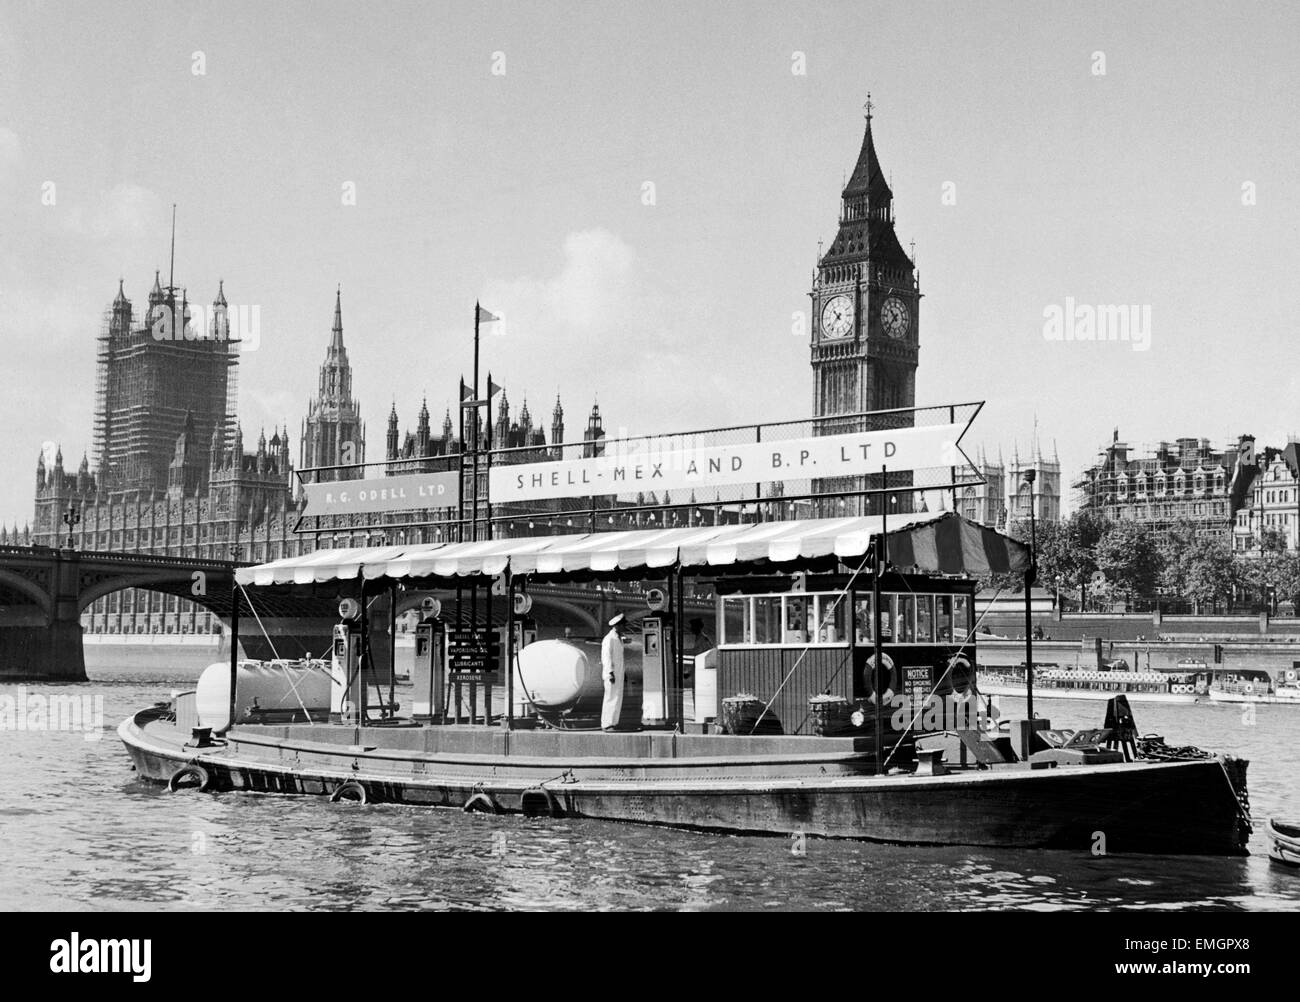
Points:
[[865, 304], [866, 300]]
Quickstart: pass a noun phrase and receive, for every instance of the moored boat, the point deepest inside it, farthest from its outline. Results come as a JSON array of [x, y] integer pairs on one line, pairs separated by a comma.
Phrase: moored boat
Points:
[[1283, 841], [1054, 682], [1251, 685], [846, 669]]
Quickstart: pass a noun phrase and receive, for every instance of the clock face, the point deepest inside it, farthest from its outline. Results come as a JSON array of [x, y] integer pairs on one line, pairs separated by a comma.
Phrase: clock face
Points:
[[837, 317], [894, 317]]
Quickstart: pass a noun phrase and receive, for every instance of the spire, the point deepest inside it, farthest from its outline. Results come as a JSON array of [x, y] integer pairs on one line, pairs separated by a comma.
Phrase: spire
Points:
[[221, 293], [336, 338], [120, 298], [156, 293], [867, 177]]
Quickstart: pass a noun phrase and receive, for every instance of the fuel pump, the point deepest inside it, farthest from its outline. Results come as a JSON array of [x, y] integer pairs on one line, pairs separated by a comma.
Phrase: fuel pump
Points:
[[427, 671], [657, 660], [347, 691]]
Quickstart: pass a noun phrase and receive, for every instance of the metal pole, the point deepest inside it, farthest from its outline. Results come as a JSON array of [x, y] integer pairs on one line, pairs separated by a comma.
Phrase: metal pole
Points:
[[392, 648], [508, 718], [473, 593], [882, 557], [488, 474], [1030, 575], [679, 661], [234, 647]]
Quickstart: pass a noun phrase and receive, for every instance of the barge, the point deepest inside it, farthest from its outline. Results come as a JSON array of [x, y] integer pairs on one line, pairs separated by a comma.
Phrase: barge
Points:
[[843, 688]]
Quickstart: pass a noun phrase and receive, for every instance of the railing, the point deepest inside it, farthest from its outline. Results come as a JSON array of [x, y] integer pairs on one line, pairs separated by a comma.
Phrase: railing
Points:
[[473, 508], [117, 556]]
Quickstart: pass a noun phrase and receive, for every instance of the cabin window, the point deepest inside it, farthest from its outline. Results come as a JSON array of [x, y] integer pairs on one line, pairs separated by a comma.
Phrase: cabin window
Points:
[[905, 620], [830, 619], [862, 620], [737, 620], [924, 619], [961, 618], [767, 619], [888, 612], [943, 618], [796, 619]]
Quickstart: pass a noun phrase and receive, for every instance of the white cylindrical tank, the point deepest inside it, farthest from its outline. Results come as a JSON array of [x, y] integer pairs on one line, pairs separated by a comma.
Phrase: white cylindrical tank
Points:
[[562, 675], [558, 674], [261, 685]]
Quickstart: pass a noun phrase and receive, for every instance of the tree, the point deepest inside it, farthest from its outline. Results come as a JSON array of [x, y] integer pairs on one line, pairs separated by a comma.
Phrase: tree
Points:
[[1210, 573], [1071, 552], [1177, 549], [1129, 555]]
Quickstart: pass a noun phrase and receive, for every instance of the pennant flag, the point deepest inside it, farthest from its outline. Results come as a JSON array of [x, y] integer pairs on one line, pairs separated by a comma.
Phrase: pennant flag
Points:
[[1242, 477], [484, 317], [493, 388], [466, 392]]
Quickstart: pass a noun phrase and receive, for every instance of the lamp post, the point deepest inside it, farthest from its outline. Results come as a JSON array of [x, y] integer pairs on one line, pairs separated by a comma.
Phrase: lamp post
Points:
[[71, 518], [1030, 575]]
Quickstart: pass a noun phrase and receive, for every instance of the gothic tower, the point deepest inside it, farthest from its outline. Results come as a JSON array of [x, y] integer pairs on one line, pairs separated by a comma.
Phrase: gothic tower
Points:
[[557, 430], [333, 433], [865, 301]]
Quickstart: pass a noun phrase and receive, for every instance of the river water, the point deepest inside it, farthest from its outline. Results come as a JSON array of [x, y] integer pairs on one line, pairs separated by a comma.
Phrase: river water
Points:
[[78, 831]]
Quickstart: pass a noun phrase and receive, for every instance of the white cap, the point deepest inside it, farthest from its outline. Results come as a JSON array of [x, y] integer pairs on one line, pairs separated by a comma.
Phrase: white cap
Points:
[[617, 619]]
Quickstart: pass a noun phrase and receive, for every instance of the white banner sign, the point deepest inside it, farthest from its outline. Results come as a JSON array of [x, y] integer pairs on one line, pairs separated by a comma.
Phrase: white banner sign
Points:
[[408, 492], [650, 466]]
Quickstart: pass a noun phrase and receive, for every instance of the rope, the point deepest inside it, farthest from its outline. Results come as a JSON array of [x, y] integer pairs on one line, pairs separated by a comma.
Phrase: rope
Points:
[[798, 661], [293, 686], [960, 651]]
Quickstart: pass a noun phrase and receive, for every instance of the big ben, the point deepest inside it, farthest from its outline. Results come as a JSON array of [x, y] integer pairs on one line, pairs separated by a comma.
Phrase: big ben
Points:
[[865, 302], [865, 310]]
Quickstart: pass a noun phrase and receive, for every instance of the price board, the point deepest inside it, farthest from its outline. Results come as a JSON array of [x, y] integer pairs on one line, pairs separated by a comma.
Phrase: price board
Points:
[[473, 653]]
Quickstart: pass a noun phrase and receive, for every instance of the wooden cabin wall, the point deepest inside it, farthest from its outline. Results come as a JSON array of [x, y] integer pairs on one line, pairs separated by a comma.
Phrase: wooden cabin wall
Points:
[[760, 671]]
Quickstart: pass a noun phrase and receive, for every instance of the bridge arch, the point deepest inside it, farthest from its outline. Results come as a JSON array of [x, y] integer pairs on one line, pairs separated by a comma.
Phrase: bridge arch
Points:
[[181, 583], [29, 589]]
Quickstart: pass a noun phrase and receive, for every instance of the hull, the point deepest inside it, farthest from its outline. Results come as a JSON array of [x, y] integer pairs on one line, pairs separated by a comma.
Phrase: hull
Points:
[[775, 785], [1283, 699], [987, 688]]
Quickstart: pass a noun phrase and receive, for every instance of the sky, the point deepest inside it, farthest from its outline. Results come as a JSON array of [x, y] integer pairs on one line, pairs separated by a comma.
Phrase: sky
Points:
[[1043, 157]]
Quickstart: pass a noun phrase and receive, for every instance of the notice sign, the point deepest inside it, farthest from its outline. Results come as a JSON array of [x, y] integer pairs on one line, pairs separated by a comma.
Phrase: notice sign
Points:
[[650, 466], [405, 493]]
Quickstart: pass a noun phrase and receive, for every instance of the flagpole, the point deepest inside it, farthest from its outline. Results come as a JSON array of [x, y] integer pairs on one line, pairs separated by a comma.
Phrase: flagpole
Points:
[[474, 420], [473, 595], [487, 473]]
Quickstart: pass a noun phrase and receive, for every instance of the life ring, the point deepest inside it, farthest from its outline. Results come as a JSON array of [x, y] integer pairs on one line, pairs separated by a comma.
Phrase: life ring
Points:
[[1290, 674], [1249, 687], [481, 801], [538, 802], [886, 673], [350, 790], [190, 777]]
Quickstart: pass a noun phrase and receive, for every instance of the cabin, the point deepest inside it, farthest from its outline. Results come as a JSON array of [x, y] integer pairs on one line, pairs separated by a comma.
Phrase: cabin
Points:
[[790, 642]]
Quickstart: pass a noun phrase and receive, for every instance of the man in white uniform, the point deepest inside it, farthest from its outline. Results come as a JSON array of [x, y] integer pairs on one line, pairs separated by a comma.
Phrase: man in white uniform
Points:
[[611, 661]]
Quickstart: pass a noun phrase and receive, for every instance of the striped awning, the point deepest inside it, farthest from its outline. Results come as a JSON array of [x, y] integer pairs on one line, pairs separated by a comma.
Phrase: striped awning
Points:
[[933, 543]]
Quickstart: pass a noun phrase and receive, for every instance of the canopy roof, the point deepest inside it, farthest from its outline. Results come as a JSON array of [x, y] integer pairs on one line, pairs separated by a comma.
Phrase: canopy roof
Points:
[[938, 543]]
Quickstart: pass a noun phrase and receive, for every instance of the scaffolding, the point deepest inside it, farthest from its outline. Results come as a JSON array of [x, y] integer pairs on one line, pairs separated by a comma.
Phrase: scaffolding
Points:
[[1186, 480], [147, 386]]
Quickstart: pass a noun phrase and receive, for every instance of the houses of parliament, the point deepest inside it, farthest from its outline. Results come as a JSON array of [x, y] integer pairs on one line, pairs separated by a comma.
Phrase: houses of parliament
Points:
[[171, 474], [169, 471]]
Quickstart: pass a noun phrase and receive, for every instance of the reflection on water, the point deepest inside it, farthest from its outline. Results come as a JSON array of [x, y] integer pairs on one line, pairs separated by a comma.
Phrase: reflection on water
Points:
[[80, 832]]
